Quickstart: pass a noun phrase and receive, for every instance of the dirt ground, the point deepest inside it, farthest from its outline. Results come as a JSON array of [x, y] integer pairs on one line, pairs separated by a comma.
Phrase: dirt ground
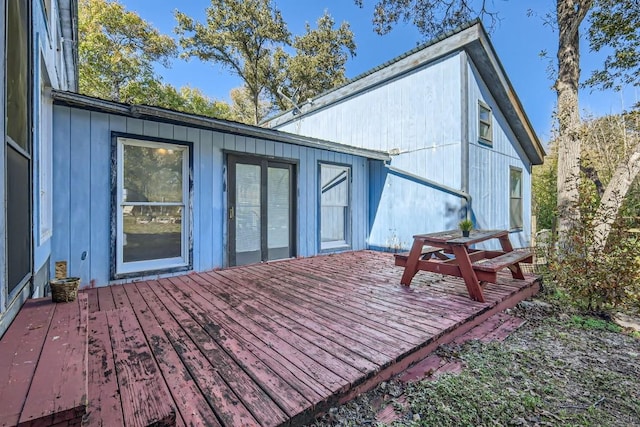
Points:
[[558, 369]]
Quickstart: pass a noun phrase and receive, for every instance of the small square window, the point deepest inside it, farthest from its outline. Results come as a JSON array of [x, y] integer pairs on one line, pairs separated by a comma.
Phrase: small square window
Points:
[[485, 131]]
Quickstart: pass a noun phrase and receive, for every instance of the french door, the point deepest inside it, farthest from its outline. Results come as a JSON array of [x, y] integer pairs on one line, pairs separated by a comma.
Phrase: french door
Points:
[[261, 210]]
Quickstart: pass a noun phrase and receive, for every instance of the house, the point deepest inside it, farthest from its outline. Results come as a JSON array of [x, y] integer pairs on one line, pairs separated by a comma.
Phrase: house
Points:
[[38, 39], [460, 141], [126, 192], [143, 191]]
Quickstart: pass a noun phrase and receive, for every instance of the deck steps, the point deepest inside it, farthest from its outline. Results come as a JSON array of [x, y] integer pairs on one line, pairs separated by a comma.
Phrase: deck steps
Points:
[[43, 364], [54, 372]]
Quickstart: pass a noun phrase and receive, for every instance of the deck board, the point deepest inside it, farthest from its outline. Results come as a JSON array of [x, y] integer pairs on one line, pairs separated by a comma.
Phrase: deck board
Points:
[[104, 402], [269, 344], [20, 350], [191, 403], [145, 399], [231, 390]]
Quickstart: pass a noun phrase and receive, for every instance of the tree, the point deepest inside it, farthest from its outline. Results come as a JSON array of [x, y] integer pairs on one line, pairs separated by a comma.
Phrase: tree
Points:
[[250, 38], [243, 108], [117, 51], [117, 54], [240, 35], [318, 64], [188, 100], [615, 24]]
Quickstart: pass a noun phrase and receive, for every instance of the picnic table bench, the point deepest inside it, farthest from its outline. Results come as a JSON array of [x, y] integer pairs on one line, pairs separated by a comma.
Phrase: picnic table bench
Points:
[[448, 252]]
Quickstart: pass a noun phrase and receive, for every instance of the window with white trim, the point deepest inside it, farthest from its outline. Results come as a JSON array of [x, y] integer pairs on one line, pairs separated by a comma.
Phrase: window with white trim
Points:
[[485, 129], [152, 206], [515, 198], [335, 224]]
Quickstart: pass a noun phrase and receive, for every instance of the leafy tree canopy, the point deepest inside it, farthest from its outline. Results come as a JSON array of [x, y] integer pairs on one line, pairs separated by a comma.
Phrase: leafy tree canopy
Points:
[[117, 50], [318, 63], [117, 54], [251, 39], [240, 35], [616, 24]]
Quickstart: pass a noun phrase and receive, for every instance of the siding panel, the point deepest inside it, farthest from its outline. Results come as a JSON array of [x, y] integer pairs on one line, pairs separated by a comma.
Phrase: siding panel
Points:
[[100, 143], [83, 138], [80, 200], [60, 244]]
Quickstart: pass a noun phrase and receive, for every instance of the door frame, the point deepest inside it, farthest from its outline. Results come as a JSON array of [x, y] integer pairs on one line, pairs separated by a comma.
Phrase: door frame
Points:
[[233, 158]]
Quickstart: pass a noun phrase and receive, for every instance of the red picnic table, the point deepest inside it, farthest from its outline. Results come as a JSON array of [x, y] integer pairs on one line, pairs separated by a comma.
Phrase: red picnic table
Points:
[[449, 252]]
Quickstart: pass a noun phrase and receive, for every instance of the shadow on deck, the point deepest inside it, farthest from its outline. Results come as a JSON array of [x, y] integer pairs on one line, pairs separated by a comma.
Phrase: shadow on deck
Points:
[[268, 344]]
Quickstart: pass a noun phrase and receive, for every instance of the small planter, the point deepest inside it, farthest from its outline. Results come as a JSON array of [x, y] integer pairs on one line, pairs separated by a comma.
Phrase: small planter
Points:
[[65, 289], [466, 225]]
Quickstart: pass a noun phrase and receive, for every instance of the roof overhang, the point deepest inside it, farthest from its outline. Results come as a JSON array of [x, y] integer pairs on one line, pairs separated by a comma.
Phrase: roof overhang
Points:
[[471, 38], [202, 122], [69, 29]]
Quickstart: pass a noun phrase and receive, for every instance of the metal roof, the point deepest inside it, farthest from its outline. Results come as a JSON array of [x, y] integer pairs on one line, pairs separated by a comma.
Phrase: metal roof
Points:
[[470, 37], [203, 122]]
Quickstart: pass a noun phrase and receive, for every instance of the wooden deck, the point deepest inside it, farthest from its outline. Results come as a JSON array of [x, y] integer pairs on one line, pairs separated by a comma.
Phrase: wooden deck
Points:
[[267, 344]]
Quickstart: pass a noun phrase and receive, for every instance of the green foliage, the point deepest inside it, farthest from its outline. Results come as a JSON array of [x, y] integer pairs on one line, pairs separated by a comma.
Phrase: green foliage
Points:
[[615, 26], [593, 323], [242, 36], [318, 63], [242, 107], [251, 40], [545, 195], [117, 51], [466, 225], [598, 281], [430, 17]]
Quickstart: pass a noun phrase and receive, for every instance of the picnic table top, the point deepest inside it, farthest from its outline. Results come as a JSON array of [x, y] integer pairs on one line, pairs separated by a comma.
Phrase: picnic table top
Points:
[[454, 237]]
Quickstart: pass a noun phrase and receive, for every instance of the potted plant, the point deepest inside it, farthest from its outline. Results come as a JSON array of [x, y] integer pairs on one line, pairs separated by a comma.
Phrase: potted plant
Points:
[[466, 225]]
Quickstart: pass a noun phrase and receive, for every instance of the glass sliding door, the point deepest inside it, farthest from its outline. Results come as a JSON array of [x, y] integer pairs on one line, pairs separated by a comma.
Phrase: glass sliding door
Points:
[[248, 214], [152, 215], [278, 212], [261, 220]]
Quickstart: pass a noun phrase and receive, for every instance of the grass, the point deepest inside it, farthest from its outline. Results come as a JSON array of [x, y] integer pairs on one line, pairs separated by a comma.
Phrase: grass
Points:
[[559, 373], [556, 370]]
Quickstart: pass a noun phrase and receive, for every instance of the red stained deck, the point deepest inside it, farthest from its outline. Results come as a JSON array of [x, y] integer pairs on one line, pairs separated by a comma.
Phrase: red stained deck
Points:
[[269, 344]]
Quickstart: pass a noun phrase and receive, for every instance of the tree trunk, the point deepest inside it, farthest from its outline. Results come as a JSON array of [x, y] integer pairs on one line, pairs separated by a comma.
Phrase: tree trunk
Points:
[[568, 114], [612, 199]]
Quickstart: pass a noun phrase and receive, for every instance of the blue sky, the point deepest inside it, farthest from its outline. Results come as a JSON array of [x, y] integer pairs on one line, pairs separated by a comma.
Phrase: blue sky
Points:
[[518, 40]]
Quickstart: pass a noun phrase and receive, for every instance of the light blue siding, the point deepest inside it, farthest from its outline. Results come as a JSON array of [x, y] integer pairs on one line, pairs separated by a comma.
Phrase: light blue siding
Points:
[[418, 115], [82, 184], [490, 165]]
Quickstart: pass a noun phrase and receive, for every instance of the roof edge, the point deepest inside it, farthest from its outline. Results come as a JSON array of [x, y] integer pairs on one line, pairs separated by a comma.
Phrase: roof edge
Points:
[[225, 126], [413, 59]]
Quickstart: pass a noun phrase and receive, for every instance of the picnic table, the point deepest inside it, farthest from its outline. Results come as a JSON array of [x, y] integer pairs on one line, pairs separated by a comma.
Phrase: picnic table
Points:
[[450, 253]]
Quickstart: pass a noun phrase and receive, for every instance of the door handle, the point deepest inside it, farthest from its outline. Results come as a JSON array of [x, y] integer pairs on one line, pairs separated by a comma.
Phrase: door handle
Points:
[[231, 213]]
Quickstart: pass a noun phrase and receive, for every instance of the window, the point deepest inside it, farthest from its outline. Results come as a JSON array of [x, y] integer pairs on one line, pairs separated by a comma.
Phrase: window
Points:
[[334, 206], [152, 206], [515, 198], [485, 132]]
